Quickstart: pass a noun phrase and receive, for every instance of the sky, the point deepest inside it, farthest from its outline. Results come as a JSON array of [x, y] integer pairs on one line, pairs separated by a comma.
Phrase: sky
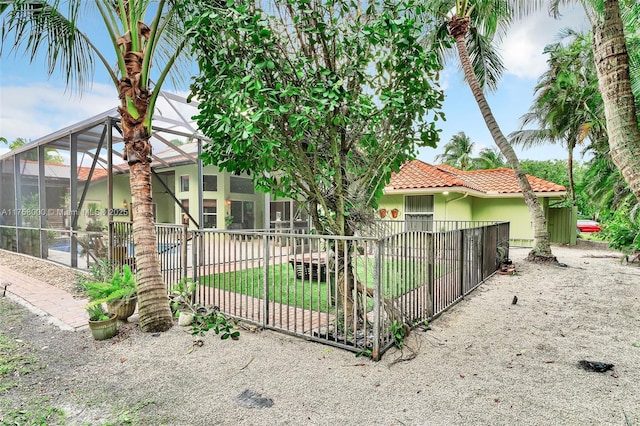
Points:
[[33, 105]]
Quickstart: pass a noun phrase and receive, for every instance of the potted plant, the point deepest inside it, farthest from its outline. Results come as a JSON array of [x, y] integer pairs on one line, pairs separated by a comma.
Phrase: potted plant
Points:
[[103, 325], [181, 299], [119, 293]]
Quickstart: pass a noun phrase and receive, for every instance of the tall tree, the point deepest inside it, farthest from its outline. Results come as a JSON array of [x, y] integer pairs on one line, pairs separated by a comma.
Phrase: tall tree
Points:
[[567, 105], [458, 152], [488, 158], [465, 24], [317, 100], [52, 28], [612, 64]]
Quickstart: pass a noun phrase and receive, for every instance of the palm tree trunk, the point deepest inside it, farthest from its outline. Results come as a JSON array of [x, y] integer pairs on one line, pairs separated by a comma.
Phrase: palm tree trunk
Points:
[[542, 246], [153, 305], [572, 191], [612, 64]]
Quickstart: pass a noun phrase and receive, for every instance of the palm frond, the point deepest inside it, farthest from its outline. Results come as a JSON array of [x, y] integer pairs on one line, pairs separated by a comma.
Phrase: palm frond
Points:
[[487, 62], [39, 28]]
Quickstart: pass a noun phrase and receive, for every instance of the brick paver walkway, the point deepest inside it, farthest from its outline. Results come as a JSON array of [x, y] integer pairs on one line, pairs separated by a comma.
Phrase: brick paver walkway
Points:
[[65, 311]]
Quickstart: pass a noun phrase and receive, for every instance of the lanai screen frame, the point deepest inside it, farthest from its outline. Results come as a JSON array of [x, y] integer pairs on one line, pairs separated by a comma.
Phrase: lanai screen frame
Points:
[[83, 148]]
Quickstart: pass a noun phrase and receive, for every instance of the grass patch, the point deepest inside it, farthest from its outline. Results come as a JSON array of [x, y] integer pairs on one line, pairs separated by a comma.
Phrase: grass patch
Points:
[[34, 412], [130, 416], [14, 361], [399, 277]]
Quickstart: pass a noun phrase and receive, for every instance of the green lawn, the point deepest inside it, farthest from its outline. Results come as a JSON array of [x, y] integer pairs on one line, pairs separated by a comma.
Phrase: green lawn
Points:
[[399, 276]]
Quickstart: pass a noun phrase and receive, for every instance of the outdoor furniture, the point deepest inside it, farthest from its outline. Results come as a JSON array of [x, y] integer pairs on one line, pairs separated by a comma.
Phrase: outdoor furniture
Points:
[[309, 267]]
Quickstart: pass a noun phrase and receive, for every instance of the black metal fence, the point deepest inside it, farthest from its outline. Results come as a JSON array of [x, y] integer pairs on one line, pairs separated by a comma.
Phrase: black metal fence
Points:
[[350, 292]]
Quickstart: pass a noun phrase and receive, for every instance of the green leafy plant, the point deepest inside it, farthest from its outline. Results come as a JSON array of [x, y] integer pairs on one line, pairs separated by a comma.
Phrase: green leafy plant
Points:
[[97, 312], [622, 231], [399, 331], [212, 319], [101, 271], [181, 297], [121, 286], [365, 352]]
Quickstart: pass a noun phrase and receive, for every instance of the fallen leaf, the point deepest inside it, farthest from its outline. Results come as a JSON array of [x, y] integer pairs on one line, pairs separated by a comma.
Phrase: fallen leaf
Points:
[[123, 359]]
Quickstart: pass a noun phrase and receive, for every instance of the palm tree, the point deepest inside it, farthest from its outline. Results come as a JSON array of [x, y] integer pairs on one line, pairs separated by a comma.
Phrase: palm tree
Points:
[[567, 105], [612, 64], [491, 16], [489, 158], [457, 152], [617, 79], [50, 27]]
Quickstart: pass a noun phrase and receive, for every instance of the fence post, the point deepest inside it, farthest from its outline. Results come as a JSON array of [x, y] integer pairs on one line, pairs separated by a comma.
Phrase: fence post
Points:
[[377, 288], [265, 310], [462, 257], [184, 250], [194, 256]]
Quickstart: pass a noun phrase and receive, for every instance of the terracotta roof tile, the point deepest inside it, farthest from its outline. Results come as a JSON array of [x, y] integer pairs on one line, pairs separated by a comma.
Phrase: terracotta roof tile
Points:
[[418, 175], [98, 173]]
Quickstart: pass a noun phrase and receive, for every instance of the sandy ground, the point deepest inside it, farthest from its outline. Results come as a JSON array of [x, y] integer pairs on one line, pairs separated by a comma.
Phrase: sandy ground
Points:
[[484, 362]]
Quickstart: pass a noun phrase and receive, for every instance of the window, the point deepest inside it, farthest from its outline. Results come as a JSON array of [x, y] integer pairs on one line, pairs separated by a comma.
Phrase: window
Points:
[[210, 213], [242, 213], [418, 212], [209, 183], [241, 185], [184, 183]]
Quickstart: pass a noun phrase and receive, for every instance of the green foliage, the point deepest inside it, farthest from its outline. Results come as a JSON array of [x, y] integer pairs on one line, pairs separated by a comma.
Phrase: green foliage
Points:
[[317, 101], [97, 312], [36, 411], [182, 295], [204, 319], [622, 230], [14, 362], [457, 152], [399, 331], [212, 319], [552, 170], [121, 286]]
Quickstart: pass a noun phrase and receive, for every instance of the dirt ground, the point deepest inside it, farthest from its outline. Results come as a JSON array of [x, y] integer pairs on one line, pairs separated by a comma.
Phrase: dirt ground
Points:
[[486, 361]]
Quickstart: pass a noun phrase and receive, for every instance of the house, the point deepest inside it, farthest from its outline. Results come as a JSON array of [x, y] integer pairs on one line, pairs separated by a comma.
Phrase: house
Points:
[[423, 191]]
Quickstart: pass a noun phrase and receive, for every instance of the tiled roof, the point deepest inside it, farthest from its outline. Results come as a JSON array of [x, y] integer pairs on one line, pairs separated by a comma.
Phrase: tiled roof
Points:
[[98, 173], [420, 175]]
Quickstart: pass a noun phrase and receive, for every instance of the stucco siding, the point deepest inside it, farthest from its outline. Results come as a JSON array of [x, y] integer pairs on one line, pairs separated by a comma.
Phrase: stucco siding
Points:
[[454, 206], [512, 210]]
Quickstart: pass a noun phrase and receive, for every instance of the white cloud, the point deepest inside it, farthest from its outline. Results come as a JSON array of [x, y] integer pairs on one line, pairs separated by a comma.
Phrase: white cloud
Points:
[[526, 39], [35, 110]]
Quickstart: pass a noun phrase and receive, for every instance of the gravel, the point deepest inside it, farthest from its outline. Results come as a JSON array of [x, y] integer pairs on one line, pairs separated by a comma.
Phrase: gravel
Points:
[[485, 361]]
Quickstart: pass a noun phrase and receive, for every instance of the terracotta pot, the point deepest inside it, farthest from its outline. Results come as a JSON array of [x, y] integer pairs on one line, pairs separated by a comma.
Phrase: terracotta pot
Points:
[[383, 213], [394, 213]]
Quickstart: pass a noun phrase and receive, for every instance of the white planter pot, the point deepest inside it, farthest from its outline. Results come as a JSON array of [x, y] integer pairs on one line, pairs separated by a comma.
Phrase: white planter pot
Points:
[[185, 318]]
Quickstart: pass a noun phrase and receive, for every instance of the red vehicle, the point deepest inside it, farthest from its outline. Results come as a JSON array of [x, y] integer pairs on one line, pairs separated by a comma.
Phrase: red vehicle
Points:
[[588, 226]]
